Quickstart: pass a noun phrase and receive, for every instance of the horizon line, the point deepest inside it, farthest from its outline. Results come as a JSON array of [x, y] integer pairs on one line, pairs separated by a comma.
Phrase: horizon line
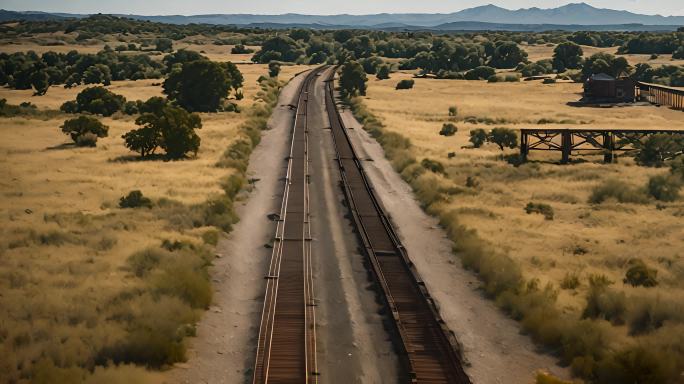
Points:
[[340, 14]]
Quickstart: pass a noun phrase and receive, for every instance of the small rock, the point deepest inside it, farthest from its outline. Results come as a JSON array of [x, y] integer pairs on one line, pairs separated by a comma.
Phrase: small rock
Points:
[[28, 211]]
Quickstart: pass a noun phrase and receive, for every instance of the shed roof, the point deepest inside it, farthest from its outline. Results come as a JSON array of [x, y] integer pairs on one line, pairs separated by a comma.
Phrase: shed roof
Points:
[[601, 77]]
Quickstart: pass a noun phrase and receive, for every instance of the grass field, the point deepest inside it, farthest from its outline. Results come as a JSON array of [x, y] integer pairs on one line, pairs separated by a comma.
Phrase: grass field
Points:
[[480, 192], [73, 296]]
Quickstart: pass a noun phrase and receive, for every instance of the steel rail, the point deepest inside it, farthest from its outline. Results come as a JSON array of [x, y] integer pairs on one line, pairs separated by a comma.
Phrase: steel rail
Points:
[[286, 347], [429, 349]]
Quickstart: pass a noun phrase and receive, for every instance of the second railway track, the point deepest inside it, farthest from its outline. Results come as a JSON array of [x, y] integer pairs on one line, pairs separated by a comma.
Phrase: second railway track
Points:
[[286, 349], [428, 348]]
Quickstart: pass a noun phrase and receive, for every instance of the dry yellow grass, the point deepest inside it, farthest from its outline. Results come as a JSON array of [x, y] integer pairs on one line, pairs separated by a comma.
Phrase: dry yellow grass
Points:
[[64, 242], [582, 238]]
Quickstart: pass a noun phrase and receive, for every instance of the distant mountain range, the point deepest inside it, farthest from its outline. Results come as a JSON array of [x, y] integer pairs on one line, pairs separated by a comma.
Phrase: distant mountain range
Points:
[[578, 16]]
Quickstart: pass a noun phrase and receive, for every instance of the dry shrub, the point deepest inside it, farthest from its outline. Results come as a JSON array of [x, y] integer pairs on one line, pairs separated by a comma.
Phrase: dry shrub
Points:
[[639, 274], [571, 280], [142, 262], [540, 208], [617, 190], [606, 304], [185, 277], [233, 184], [650, 312], [156, 334]]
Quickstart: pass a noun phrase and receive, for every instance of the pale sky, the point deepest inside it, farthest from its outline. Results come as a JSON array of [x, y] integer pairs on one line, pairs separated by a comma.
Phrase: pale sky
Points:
[[320, 7]]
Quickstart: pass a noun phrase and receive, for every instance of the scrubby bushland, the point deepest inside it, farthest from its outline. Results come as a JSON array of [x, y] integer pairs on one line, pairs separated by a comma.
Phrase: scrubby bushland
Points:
[[541, 67], [586, 345], [84, 130], [540, 208], [656, 149], [432, 165], [163, 45], [135, 199], [618, 190], [664, 188], [280, 48], [29, 70], [95, 100], [405, 84], [201, 85], [171, 128], [448, 129]]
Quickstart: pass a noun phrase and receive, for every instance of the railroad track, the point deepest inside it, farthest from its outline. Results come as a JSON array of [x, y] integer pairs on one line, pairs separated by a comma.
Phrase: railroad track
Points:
[[286, 349], [429, 348]]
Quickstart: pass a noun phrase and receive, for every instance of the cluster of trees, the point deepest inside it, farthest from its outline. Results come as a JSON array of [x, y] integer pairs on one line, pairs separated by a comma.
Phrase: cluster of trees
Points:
[[194, 84], [97, 25], [502, 137], [27, 70]]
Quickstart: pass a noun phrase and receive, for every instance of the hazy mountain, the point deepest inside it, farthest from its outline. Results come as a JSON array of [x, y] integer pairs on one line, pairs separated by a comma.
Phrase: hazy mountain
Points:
[[569, 16]]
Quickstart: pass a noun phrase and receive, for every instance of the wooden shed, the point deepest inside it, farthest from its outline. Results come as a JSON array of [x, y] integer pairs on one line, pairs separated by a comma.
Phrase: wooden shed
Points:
[[607, 89]]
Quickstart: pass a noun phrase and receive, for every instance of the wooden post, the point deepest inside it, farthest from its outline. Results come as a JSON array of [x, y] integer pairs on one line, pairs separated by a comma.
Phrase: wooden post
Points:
[[524, 149], [566, 146], [608, 147]]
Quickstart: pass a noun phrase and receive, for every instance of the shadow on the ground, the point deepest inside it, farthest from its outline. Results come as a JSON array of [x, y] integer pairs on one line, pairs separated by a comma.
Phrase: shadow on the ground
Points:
[[61, 147], [137, 158]]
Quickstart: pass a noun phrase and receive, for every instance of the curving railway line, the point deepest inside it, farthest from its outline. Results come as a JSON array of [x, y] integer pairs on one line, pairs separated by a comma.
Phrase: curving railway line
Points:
[[286, 350]]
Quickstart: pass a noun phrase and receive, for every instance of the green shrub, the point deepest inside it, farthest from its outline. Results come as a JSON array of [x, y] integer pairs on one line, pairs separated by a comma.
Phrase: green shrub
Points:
[[220, 213], [84, 130], [96, 100], [541, 208], [156, 335], [186, 278], [135, 199], [210, 237], [453, 111], [432, 165], [478, 137], [503, 138], [233, 184], [405, 84], [639, 274], [448, 129], [637, 364], [618, 190], [480, 73], [664, 188]]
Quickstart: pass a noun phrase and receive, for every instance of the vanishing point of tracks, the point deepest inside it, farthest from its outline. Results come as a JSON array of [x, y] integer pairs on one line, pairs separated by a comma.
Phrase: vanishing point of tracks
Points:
[[286, 351]]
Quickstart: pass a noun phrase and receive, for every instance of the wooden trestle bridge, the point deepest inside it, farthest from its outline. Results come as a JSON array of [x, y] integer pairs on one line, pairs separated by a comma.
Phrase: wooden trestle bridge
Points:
[[609, 142]]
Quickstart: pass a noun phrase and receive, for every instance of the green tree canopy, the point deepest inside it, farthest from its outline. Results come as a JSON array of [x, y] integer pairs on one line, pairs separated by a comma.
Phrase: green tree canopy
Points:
[[507, 55], [567, 55], [353, 79], [201, 85], [503, 137], [82, 125], [171, 128], [97, 100]]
